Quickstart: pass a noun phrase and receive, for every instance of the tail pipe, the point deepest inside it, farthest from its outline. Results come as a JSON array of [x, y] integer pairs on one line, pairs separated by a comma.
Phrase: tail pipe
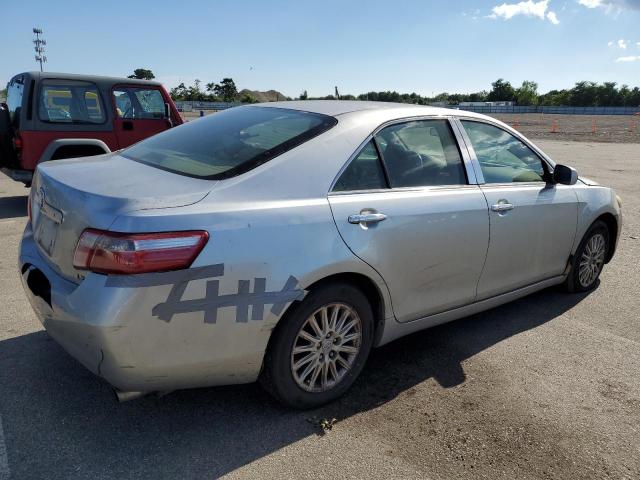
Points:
[[126, 396]]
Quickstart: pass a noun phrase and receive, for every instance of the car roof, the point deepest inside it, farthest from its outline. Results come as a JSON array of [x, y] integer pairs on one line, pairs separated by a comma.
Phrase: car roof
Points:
[[336, 108], [98, 79]]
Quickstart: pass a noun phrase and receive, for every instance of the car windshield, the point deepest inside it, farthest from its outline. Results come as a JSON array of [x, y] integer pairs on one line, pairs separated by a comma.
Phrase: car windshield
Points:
[[229, 143]]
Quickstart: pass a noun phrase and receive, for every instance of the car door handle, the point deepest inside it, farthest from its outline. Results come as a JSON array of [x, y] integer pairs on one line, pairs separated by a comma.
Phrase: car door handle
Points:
[[502, 207], [367, 218]]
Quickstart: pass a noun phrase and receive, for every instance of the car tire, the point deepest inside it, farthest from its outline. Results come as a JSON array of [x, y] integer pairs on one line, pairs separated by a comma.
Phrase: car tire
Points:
[[326, 345], [589, 259]]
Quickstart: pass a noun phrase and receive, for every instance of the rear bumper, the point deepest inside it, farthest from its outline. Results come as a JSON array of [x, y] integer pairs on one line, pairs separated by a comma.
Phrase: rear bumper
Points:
[[112, 332]]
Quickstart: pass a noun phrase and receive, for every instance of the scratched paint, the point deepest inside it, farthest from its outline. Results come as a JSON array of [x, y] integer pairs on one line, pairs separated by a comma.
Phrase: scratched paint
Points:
[[257, 299]]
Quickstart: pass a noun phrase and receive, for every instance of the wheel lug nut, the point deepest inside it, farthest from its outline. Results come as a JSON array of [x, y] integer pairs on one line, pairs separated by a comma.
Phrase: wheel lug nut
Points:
[[332, 354]]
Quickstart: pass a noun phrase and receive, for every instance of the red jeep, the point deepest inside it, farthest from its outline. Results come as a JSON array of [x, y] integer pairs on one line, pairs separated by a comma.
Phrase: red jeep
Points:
[[49, 116]]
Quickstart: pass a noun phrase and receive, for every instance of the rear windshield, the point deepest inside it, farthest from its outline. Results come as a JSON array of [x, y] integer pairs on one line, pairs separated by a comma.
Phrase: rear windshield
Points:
[[229, 143]]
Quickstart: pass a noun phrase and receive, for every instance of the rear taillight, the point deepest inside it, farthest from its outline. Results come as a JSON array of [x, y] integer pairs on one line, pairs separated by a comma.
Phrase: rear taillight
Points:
[[129, 253], [17, 142]]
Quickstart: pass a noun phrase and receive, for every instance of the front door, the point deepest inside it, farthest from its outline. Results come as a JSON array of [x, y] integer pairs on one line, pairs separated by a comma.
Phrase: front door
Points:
[[404, 206], [139, 113], [532, 221]]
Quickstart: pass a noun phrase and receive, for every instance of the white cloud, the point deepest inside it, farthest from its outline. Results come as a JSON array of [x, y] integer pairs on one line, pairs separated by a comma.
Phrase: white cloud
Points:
[[638, 44], [527, 8], [590, 3], [611, 5], [610, 44], [628, 59], [553, 18], [622, 44]]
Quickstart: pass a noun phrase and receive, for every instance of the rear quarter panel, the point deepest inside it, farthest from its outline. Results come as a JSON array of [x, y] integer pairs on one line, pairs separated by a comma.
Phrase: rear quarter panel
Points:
[[273, 241]]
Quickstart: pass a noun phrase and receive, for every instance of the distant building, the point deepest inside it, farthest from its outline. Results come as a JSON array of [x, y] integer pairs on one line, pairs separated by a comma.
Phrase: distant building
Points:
[[487, 104]]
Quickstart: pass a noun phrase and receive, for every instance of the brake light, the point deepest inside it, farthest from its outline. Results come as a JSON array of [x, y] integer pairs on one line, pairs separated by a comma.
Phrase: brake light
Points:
[[129, 253], [17, 142]]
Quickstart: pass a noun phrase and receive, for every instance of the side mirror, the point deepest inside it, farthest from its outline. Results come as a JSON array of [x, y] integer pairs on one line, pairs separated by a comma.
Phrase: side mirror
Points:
[[565, 175]]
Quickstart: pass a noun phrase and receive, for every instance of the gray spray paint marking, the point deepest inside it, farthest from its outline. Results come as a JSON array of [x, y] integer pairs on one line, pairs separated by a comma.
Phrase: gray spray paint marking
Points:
[[241, 300], [212, 300], [4, 459]]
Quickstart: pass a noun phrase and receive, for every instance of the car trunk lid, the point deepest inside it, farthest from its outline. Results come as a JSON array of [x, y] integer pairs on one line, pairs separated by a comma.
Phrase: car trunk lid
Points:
[[71, 195]]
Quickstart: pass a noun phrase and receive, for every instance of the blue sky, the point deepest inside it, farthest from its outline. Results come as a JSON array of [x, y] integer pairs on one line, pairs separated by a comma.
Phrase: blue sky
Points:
[[405, 45]]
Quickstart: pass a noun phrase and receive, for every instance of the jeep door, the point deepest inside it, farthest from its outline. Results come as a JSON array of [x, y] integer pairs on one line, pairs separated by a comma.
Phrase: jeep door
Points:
[[406, 206], [139, 113]]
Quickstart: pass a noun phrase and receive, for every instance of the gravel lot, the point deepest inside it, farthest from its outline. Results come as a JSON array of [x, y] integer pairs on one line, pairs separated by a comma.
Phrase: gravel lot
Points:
[[546, 387], [577, 128]]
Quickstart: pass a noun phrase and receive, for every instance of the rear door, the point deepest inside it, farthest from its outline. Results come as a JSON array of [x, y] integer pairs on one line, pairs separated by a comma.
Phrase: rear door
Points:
[[404, 205], [139, 113], [533, 221]]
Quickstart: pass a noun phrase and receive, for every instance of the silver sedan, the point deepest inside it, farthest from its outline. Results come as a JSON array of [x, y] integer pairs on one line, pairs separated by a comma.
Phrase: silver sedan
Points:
[[282, 241]]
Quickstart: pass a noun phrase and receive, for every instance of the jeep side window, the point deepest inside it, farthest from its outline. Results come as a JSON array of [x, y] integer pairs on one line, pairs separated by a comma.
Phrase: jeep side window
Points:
[[70, 101], [139, 103]]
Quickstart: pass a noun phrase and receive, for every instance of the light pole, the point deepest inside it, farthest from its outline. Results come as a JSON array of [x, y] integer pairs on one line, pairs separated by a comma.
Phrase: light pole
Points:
[[39, 48]]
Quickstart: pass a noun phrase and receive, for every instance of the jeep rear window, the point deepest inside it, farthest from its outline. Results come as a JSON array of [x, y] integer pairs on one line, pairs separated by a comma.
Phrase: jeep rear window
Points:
[[70, 101], [15, 91], [229, 143]]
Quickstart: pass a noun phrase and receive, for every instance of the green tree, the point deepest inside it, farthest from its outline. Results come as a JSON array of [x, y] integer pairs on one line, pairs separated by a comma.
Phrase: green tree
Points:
[[584, 94], [142, 74], [501, 91], [3, 94], [304, 95], [226, 90], [248, 98], [608, 95], [633, 99], [527, 94], [179, 92]]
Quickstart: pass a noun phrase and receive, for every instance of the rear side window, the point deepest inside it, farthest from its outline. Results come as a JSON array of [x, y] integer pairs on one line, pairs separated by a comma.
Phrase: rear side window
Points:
[[70, 101], [421, 153], [15, 92], [230, 142], [363, 173], [138, 103]]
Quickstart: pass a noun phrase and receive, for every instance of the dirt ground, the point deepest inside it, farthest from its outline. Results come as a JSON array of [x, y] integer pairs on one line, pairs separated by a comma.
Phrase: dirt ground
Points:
[[546, 387], [577, 128]]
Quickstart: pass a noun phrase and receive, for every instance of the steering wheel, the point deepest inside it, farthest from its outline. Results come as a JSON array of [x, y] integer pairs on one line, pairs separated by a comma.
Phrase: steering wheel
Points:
[[129, 109]]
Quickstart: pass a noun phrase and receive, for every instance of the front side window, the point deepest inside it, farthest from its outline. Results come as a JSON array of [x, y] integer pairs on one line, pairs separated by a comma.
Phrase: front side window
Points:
[[363, 173], [70, 101], [421, 153], [230, 142], [15, 92], [138, 103], [502, 157]]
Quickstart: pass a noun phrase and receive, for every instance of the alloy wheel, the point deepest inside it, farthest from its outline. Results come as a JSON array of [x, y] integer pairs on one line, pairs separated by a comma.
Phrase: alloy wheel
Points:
[[592, 260], [326, 347]]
